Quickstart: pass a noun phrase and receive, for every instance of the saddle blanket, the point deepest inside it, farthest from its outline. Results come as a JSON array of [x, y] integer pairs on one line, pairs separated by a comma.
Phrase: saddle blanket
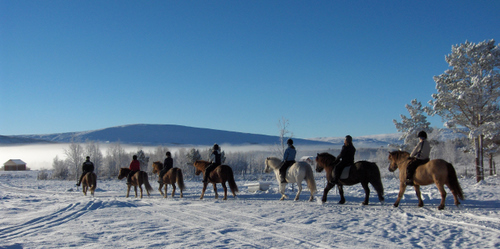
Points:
[[345, 173]]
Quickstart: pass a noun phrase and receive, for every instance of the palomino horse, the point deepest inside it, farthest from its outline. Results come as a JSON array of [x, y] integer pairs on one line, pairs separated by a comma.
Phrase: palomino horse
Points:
[[220, 174], [296, 173], [361, 172], [436, 171], [89, 182], [172, 176], [137, 180]]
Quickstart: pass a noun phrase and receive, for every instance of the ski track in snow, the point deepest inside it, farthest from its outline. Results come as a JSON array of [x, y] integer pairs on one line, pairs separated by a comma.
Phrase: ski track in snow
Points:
[[48, 214]]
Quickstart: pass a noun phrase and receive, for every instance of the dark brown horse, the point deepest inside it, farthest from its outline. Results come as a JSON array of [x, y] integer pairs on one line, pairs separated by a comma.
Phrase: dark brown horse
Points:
[[173, 175], [361, 172], [436, 171], [89, 182], [139, 178], [221, 174]]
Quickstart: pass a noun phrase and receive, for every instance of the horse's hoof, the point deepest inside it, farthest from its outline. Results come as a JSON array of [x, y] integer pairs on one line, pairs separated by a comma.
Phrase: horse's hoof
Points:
[[441, 207], [342, 202], [396, 205], [364, 203]]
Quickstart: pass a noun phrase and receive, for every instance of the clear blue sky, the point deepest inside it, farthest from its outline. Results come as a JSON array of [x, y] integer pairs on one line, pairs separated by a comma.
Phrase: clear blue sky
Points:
[[330, 67]]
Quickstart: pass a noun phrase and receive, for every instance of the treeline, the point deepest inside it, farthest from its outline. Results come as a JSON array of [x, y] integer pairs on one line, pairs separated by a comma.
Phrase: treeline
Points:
[[245, 164]]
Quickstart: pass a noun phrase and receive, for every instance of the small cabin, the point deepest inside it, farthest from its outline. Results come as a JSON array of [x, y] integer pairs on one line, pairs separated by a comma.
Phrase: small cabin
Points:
[[14, 165]]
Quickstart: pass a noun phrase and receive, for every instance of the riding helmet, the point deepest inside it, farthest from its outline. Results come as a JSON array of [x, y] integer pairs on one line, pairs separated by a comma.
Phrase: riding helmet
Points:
[[422, 134], [289, 141]]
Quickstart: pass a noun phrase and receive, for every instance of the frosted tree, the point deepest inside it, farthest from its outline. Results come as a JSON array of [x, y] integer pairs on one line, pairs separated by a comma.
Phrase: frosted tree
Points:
[[410, 126], [94, 152], [284, 135], [74, 155], [468, 94], [193, 155]]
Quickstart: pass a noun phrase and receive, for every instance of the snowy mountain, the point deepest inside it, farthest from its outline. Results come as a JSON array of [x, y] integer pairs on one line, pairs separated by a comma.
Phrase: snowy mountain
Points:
[[148, 134]]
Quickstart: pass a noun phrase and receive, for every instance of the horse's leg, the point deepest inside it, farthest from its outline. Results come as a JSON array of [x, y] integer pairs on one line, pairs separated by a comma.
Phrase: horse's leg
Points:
[[282, 191], [225, 190], [299, 185], [419, 195], [402, 188], [140, 187], [203, 190], [215, 190], [173, 190], [367, 192], [128, 190], [441, 189], [341, 193], [326, 190], [166, 191], [159, 189]]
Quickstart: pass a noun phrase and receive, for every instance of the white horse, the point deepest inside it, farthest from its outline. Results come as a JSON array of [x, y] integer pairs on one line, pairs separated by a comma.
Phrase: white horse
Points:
[[295, 174]]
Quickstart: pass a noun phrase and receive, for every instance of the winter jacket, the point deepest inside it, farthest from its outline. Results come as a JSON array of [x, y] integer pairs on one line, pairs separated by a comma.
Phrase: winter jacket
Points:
[[289, 154], [168, 164], [215, 157], [422, 150], [346, 155], [88, 166], [135, 165]]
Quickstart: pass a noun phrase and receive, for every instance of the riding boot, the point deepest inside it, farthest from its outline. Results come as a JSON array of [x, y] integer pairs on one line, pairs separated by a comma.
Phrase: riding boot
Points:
[[283, 178]]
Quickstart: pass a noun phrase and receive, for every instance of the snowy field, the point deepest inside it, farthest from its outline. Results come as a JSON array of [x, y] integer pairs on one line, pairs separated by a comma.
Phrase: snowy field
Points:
[[53, 214]]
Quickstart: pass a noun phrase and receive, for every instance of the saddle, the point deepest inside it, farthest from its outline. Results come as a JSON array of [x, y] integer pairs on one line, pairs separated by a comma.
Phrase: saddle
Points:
[[345, 172]]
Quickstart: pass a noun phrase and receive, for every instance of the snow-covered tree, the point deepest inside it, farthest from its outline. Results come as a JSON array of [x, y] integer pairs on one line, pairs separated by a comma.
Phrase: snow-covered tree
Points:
[[74, 155], [193, 155], [468, 94], [284, 135], [94, 152], [411, 126]]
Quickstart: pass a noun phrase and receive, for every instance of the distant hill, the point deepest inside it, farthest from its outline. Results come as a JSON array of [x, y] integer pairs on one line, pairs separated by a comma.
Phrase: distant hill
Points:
[[147, 134]]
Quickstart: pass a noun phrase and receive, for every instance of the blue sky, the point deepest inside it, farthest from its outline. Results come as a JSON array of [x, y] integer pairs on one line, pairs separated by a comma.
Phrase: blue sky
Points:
[[330, 67]]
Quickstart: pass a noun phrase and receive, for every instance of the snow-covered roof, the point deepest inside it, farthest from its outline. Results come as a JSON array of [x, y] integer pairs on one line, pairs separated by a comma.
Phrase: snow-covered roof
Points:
[[14, 162]]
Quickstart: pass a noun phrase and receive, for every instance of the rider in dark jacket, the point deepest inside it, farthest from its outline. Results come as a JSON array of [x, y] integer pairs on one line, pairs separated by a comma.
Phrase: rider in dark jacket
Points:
[[87, 167], [167, 165], [345, 158], [215, 160]]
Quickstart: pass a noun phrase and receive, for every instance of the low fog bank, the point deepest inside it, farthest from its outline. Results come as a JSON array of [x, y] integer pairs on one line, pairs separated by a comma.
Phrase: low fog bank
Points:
[[41, 156]]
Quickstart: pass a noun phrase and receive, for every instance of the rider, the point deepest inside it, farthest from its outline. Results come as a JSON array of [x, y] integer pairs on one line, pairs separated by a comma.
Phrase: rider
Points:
[[87, 167], [288, 159], [345, 158], [134, 167], [167, 165], [215, 160], [419, 156]]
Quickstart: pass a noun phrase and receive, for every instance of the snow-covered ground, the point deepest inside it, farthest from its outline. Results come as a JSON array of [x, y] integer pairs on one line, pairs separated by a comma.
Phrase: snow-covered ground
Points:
[[53, 214]]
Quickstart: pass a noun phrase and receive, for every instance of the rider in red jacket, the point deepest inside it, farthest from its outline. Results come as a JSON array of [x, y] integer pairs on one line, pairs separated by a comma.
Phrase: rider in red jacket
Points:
[[134, 167]]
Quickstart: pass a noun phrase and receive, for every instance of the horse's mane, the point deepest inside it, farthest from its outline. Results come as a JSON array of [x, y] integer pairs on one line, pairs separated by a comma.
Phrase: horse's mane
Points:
[[325, 158], [399, 153]]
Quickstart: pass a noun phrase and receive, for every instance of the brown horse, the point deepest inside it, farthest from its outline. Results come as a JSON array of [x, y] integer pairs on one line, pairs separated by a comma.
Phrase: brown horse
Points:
[[137, 180], [436, 171], [89, 182], [172, 176], [220, 174], [361, 172]]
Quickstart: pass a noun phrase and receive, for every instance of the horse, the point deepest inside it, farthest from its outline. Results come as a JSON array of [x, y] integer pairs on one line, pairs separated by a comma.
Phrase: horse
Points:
[[296, 173], [139, 178], [173, 175], [221, 174], [363, 172], [435, 171], [89, 182]]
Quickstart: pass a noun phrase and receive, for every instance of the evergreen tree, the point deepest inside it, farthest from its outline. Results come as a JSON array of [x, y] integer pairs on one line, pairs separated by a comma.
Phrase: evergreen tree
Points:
[[410, 127], [468, 94]]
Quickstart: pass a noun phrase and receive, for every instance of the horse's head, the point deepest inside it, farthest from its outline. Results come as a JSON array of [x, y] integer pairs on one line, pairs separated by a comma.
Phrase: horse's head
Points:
[[396, 159], [200, 166], [157, 167], [272, 163], [123, 173], [323, 160]]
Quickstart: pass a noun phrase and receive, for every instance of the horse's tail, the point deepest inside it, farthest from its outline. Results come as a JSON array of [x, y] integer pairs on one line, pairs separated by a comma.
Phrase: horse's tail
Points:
[[232, 183], [376, 181], [93, 181], [453, 183], [180, 179], [146, 182], [311, 183]]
